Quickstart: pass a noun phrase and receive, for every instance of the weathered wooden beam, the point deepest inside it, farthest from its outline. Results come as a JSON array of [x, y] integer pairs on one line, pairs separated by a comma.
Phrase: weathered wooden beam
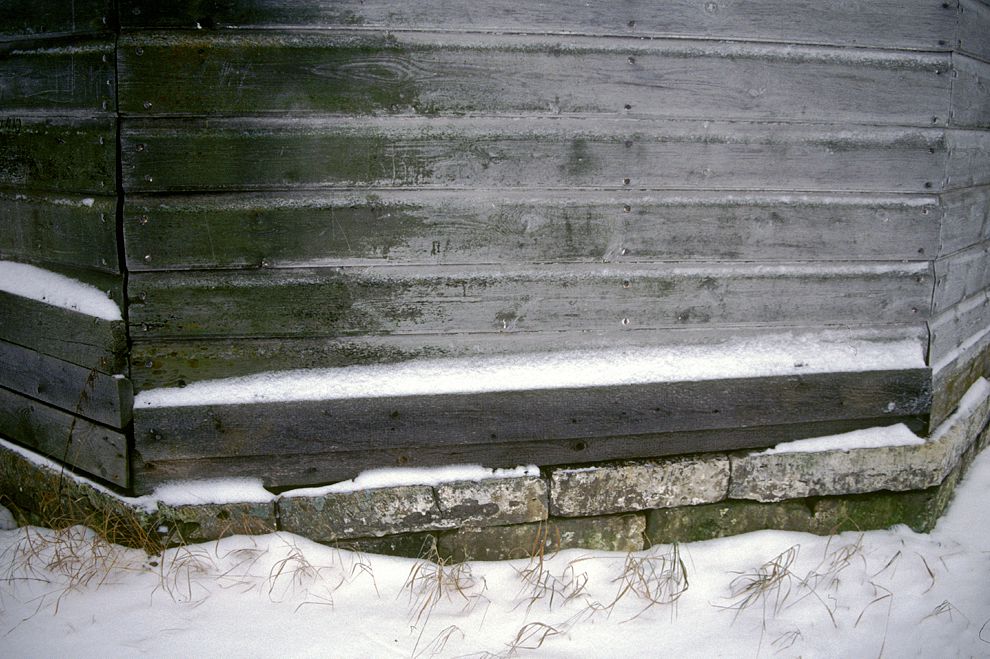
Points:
[[970, 92], [86, 341], [969, 158], [61, 76], [974, 28], [102, 398], [282, 471], [413, 299], [24, 19], [965, 219], [921, 25], [68, 230], [302, 427], [62, 154], [958, 325], [961, 275], [73, 440], [263, 154], [361, 72], [172, 363], [443, 227]]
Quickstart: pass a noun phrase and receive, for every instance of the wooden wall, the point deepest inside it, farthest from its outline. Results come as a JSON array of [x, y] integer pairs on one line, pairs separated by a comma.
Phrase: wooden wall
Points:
[[62, 385]]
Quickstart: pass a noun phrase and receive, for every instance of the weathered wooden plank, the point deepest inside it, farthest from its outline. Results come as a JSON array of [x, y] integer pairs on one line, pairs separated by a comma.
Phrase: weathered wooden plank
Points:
[[957, 325], [974, 28], [257, 154], [421, 73], [966, 219], [969, 158], [65, 75], [443, 227], [163, 363], [400, 299], [75, 441], [62, 154], [286, 471], [970, 92], [961, 275], [305, 427], [956, 373], [21, 19], [69, 230], [919, 24], [84, 392], [86, 341]]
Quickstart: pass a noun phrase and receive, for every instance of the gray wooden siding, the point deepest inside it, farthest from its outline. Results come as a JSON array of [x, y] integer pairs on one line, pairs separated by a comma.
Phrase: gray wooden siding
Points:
[[63, 385]]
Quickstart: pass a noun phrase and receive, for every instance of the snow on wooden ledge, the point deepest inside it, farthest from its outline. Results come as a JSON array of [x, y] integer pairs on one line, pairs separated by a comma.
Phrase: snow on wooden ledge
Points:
[[57, 290], [773, 355]]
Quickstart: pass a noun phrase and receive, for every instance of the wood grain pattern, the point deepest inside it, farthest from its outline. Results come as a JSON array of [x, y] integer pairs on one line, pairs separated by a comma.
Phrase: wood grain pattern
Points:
[[918, 24], [305, 427], [92, 343], [969, 158], [259, 154], [22, 19], [966, 219], [67, 230], [970, 92], [974, 28], [441, 227], [361, 73], [61, 76], [93, 448], [960, 275], [289, 471], [60, 154], [399, 299], [88, 393], [959, 324], [172, 363]]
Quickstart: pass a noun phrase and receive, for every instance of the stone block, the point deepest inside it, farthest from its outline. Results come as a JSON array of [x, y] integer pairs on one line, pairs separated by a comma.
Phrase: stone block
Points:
[[361, 514], [205, 522], [639, 485], [408, 545], [619, 533], [493, 501]]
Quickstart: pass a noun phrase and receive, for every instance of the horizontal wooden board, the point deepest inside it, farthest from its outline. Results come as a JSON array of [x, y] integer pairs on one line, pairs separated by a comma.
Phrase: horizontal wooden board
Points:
[[970, 92], [64, 75], [294, 470], [961, 275], [69, 230], [443, 227], [974, 28], [172, 363], [92, 343], [84, 392], [21, 19], [335, 152], [61, 154], [969, 158], [90, 447], [956, 374], [170, 433], [918, 24], [362, 72], [953, 328], [966, 219], [400, 299]]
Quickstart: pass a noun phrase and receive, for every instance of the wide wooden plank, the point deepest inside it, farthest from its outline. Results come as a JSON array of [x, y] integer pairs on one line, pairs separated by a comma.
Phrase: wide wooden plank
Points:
[[280, 471], [969, 158], [257, 154], [64, 75], [443, 227], [61, 154], [956, 373], [970, 91], [966, 219], [103, 398], [400, 299], [286, 428], [95, 449], [918, 24], [69, 230], [956, 326], [974, 28], [961, 275], [22, 19], [172, 363], [361, 72], [86, 341]]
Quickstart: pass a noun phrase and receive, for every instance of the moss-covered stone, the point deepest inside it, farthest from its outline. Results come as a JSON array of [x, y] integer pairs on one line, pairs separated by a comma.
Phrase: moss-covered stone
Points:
[[204, 522], [493, 501], [409, 545]]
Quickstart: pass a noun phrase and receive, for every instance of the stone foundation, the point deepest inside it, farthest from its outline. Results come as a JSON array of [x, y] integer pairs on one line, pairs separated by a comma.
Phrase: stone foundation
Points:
[[622, 506]]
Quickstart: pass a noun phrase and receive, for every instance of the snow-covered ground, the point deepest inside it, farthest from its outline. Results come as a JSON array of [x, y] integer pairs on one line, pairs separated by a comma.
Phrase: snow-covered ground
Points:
[[891, 593]]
